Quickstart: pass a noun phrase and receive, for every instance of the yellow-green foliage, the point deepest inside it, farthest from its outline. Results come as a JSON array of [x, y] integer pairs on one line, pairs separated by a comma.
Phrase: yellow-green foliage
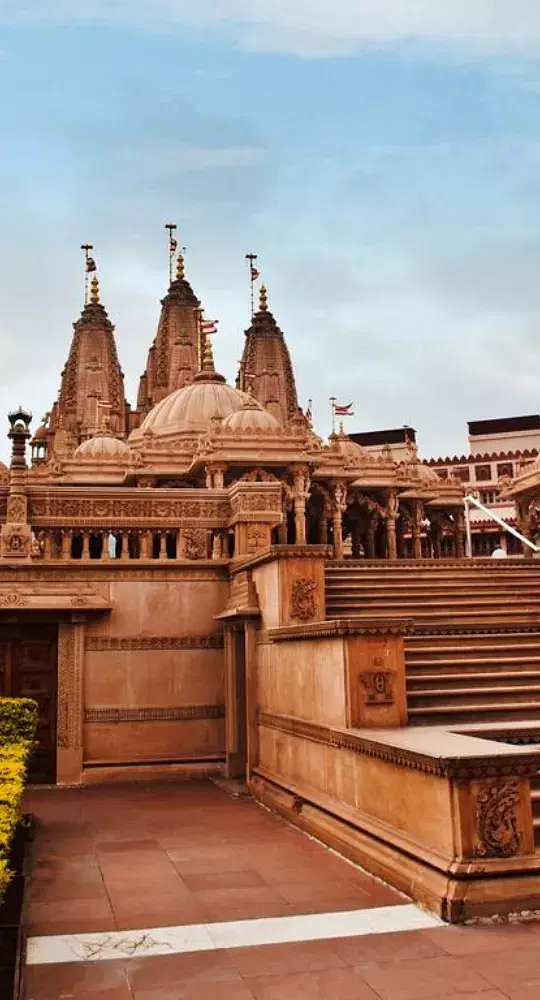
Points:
[[18, 721]]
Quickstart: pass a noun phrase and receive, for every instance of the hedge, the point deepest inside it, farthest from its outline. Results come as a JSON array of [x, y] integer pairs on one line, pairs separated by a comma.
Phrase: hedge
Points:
[[18, 722]]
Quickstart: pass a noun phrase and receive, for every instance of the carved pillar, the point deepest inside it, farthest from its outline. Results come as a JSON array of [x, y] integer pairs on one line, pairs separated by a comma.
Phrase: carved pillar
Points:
[[105, 555], [370, 536], [217, 545], [70, 701], [339, 506], [208, 477], [219, 477], [85, 553], [66, 543], [356, 538], [16, 533], [48, 545], [163, 545], [417, 513], [124, 552], [459, 527], [146, 541], [390, 525], [301, 493]]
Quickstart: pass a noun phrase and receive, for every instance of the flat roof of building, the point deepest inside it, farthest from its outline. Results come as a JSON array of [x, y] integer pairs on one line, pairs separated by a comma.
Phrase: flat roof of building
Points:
[[397, 435], [504, 425]]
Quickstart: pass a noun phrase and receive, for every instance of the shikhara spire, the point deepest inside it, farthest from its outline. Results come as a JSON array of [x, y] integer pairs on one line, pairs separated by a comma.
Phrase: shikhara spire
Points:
[[91, 379], [173, 358], [266, 369]]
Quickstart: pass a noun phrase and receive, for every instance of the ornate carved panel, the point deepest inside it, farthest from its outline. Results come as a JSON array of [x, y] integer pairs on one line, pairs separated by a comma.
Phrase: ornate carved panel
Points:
[[379, 687], [303, 604], [497, 827], [70, 658]]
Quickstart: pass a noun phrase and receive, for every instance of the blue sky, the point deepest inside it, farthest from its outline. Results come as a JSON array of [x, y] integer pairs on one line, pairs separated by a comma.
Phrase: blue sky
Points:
[[382, 160]]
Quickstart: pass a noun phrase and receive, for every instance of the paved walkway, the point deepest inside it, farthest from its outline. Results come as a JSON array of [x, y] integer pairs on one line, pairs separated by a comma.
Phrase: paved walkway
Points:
[[180, 892]]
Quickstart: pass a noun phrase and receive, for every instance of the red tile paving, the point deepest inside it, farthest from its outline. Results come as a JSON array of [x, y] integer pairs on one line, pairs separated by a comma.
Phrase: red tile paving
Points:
[[151, 855]]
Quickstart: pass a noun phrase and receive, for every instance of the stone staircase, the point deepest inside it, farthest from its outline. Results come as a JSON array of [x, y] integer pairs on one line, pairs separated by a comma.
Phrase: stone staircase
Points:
[[474, 653]]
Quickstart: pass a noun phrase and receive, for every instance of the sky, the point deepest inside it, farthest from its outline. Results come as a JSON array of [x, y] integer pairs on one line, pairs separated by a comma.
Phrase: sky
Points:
[[382, 159]]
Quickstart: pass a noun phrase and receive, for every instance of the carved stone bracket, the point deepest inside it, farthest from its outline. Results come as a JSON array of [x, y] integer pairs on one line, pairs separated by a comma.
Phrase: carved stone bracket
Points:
[[497, 822]]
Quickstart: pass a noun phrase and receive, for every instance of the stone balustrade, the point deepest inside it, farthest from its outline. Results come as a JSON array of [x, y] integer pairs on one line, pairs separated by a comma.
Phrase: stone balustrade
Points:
[[129, 544]]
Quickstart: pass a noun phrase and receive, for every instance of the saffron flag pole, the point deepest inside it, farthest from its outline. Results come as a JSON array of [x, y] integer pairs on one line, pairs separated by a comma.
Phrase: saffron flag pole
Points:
[[171, 227], [253, 275], [90, 266]]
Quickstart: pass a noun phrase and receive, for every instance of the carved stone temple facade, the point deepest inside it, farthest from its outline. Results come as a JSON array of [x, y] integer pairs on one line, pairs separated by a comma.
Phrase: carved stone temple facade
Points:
[[163, 595]]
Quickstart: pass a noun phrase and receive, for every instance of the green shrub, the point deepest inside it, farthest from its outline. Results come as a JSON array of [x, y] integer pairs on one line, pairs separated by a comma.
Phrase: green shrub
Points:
[[18, 722], [18, 719]]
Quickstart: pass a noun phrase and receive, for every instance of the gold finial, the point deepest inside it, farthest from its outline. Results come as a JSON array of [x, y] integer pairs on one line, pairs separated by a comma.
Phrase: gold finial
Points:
[[208, 356], [263, 299], [180, 270], [94, 293]]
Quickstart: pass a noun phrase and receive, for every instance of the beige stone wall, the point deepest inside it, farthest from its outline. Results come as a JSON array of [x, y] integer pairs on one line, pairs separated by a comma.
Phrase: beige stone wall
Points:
[[153, 677], [305, 679], [407, 802]]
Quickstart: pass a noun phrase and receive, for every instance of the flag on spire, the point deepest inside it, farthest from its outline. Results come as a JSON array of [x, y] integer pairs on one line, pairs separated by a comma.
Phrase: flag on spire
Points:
[[209, 326], [342, 410], [90, 265]]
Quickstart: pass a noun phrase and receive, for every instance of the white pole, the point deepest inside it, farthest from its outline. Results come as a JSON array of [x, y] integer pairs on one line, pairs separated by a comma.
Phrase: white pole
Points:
[[503, 524]]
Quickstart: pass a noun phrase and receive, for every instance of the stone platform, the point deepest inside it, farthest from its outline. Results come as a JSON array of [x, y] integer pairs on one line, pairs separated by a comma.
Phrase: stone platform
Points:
[[179, 891]]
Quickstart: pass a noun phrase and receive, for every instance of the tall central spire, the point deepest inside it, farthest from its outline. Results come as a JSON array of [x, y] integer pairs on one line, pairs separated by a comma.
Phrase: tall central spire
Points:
[[173, 358]]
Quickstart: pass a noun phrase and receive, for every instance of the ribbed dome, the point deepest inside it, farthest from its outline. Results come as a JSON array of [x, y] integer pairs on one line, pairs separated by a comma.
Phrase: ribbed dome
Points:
[[251, 419], [193, 408], [103, 447]]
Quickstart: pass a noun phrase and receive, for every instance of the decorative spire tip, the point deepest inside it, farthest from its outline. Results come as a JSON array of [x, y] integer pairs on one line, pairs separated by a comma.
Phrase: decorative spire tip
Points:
[[263, 299], [208, 357], [180, 268], [94, 293]]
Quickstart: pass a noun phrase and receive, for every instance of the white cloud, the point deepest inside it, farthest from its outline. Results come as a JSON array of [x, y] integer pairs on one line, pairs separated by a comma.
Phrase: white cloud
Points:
[[170, 158], [307, 26]]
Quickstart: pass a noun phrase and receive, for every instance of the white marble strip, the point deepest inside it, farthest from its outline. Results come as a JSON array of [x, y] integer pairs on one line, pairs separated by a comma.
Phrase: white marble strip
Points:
[[237, 934]]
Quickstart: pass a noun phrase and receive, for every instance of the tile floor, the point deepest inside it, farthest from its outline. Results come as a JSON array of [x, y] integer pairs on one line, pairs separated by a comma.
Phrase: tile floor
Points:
[[188, 863]]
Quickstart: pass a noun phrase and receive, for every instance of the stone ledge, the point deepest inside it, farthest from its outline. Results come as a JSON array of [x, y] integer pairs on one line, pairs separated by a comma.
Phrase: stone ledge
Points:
[[329, 628], [276, 552], [463, 758]]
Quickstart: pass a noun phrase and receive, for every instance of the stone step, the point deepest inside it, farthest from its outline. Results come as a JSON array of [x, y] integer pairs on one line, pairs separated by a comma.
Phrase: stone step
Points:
[[384, 592], [472, 616], [520, 677], [450, 697], [432, 715], [496, 664]]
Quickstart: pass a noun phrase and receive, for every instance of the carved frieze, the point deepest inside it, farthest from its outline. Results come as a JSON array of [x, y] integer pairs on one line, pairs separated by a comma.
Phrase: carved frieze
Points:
[[303, 604], [497, 827], [185, 713], [53, 508], [69, 680], [133, 642]]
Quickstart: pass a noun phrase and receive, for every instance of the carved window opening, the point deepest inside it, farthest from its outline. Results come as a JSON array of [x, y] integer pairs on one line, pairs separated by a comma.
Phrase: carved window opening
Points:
[[134, 546], [171, 545], [76, 545], [95, 546]]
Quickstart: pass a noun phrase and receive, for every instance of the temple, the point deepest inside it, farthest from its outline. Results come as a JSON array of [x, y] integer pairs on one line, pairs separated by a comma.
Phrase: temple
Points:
[[201, 586]]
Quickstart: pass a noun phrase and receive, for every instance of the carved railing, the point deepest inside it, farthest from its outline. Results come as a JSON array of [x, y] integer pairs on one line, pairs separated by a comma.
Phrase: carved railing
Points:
[[127, 544]]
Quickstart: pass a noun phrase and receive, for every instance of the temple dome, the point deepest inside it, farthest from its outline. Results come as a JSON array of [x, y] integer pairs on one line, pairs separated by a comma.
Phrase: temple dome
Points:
[[252, 418], [103, 447], [193, 408]]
